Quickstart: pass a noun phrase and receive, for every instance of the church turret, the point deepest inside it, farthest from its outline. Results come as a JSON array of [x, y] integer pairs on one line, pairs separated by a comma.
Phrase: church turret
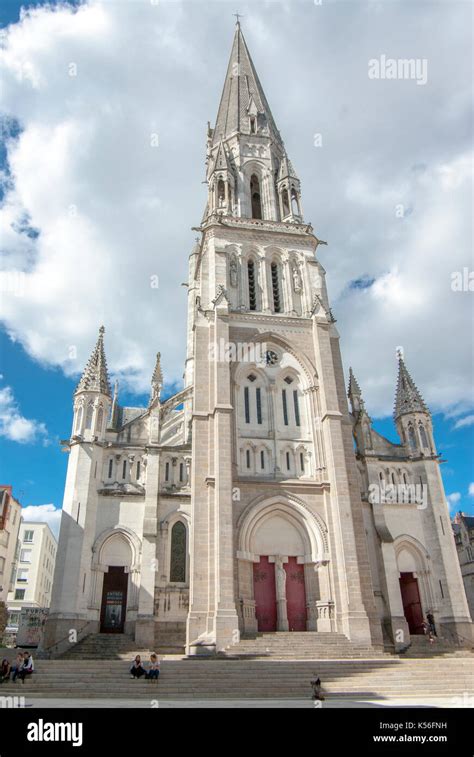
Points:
[[411, 414], [92, 398]]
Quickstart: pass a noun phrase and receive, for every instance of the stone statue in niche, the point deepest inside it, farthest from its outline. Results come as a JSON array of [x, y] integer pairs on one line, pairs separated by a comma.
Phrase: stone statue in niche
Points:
[[280, 579], [233, 271], [297, 284]]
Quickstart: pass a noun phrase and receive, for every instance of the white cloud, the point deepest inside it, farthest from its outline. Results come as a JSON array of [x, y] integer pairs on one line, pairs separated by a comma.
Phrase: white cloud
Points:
[[112, 211], [471, 489], [13, 425], [453, 499], [43, 514], [468, 420]]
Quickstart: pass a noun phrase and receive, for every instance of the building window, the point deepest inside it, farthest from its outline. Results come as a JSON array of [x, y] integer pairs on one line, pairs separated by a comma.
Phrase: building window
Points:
[[423, 437], [296, 406], [302, 462], [22, 575], [178, 553], [411, 437], [124, 469], [100, 420], [275, 288], [89, 414], [28, 537], [285, 407], [262, 459], [167, 472], [259, 405], [247, 457], [285, 203], [20, 593], [253, 125], [255, 197], [138, 469], [25, 555], [111, 467], [294, 203], [288, 461], [252, 285], [181, 472], [247, 404]]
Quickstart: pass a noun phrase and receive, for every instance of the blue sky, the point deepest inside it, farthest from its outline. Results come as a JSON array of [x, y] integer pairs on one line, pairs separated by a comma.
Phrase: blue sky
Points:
[[388, 278]]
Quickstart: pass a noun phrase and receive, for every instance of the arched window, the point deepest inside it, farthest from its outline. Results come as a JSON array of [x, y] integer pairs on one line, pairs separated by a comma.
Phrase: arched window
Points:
[[302, 462], [178, 553], [220, 193], [411, 437], [100, 420], [295, 208], [138, 470], [262, 459], [252, 285], [253, 125], [255, 197], [124, 469], [79, 419], [423, 436], [89, 414], [167, 472], [247, 458], [111, 468], [285, 203], [276, 288]]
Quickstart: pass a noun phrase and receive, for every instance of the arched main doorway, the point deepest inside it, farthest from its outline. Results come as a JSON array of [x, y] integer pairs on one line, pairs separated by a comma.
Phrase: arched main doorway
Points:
[[414, 585], [116, 554], [278, 576]]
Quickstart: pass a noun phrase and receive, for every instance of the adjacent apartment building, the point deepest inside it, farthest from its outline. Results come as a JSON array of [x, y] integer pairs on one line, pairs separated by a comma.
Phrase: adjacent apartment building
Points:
[[34, 570], [10, 519], [463, 527]]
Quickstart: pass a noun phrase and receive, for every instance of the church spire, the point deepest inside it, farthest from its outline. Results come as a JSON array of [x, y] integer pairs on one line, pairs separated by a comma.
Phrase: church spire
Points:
[[156, 380], [243, 106], [95, 377], [408, 399]]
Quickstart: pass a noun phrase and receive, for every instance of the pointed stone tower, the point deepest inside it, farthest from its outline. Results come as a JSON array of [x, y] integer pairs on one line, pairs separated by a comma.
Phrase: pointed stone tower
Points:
[[411, 415], [92, 398], [92, 407], [277, 540]]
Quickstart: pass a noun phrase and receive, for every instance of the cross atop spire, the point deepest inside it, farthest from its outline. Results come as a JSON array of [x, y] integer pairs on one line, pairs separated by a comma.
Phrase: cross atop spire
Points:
[[238, 16], [95, 377], [408, 399]]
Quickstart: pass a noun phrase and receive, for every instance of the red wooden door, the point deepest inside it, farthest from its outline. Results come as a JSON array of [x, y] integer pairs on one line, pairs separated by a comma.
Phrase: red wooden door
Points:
[[411, 602], [114, 600], [295, 595], [265, 594]]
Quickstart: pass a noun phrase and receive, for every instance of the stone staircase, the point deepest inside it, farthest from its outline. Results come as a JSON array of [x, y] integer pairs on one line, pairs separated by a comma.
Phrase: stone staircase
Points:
[[106, 646], [305, 645], [247, 679]]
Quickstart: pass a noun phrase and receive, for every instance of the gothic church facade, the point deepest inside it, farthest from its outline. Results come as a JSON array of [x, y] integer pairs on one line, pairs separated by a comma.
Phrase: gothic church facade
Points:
[[251, 501]]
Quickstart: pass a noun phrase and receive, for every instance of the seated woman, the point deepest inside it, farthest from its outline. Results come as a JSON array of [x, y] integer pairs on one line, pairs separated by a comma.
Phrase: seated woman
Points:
[[137, 670], [4, 670], [15, 669], [154, 669], [27, 668]]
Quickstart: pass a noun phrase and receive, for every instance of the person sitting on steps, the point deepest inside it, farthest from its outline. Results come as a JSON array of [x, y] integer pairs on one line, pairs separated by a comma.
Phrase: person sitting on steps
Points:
[[27, 668], [15, 670], [154, 669], [137, 670]]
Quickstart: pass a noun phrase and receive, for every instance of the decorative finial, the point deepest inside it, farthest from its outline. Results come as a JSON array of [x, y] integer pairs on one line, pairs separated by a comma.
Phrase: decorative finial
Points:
[[238, 16], [399, 352], [102, 330]]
